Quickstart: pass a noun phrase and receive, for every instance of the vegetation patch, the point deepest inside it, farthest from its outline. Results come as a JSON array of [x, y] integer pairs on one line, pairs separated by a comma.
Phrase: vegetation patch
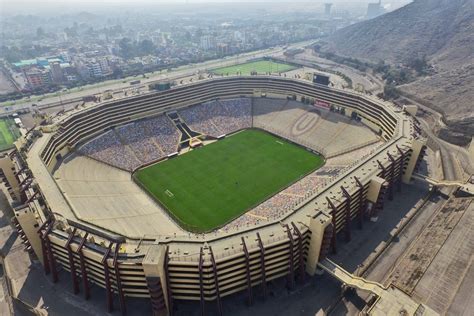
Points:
[[259, 67], [9, 132]]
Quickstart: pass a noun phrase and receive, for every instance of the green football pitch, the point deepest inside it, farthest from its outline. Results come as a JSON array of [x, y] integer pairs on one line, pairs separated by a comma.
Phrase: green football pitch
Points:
[[8, 133], [260, 66], [212, 185]]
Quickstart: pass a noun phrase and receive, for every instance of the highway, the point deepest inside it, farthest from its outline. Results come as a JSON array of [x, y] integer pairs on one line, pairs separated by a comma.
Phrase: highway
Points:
[[117, 85]]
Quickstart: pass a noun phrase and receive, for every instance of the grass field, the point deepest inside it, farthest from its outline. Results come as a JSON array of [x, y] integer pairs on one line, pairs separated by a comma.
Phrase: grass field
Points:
[[8, 133], [208, 187], [260, 66]]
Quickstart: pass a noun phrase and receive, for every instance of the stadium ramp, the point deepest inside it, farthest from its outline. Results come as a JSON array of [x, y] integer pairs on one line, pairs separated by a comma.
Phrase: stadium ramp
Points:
[[390, 300], [465, 187], [440, 183]]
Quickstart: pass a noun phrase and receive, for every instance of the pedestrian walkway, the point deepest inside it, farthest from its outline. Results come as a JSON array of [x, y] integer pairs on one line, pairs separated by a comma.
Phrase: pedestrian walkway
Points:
[[390, 300]]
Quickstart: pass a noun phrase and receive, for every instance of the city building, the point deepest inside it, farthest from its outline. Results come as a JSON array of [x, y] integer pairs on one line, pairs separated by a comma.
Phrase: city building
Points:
[[37, 77], [327, 9], [57, 74], [208, 42], [223, 48]]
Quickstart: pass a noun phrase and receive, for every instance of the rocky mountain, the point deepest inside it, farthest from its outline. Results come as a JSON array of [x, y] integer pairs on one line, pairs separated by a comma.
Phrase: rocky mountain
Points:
[[440, 30]]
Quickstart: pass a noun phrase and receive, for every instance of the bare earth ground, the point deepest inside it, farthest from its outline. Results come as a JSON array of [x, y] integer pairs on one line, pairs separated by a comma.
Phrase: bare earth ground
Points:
[[432, 260]]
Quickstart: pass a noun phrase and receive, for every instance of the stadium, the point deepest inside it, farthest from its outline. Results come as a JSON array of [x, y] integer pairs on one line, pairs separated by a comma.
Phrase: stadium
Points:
[[207, 189]]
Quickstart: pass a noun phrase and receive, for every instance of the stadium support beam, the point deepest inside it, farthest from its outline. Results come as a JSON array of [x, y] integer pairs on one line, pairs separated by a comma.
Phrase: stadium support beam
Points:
[[379, 204], [31, 197], [380, 201], [262, 265], [24, 188], [361, 203], [157, 299], [108, 289], [201, 281], [400, 175], [28, 177], [384, 171], [216, 281], [16, 173], [326, 242], [85, 281], [169, 297], [44, 249], [247, 271], [13, 153], [291, 259], [72, 264], [347, 216], [334, 232], [49, 249], [392, 176], [118, 281], [300, 251]]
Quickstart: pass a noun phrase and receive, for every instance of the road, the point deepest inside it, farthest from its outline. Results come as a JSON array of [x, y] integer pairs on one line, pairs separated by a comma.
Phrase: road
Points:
[[456, 160]]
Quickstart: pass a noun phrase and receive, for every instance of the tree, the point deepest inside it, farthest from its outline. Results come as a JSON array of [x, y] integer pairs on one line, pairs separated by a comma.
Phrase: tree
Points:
[[419, 64], [146, 47], [126, 48], [390, 91]]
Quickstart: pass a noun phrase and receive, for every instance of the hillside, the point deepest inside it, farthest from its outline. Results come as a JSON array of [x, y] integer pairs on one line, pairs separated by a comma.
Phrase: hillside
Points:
[[441, 30]]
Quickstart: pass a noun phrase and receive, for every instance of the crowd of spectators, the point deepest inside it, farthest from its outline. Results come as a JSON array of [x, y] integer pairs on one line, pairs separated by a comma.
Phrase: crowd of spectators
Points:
[[144, 147], [129, 146], [164, 133], [109, 149], [282, 203], [219, 117], [289, 199]]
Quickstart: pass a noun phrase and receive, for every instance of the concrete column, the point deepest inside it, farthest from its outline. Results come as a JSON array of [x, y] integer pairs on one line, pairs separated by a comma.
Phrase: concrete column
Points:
[[416, 147], [317, 225], [375, 187], [154, 268], [27, 220]]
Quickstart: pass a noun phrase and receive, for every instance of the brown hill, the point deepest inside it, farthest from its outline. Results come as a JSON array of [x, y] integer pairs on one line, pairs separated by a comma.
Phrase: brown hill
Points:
[[440, 30]]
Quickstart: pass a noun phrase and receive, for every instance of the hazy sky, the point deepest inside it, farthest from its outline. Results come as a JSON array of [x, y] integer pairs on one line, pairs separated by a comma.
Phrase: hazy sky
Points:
[[69, 6], [89, 2], [176, 1]]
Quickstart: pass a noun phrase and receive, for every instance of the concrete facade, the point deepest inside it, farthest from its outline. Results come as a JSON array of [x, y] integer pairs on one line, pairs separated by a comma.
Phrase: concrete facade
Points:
[[205, 268]]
